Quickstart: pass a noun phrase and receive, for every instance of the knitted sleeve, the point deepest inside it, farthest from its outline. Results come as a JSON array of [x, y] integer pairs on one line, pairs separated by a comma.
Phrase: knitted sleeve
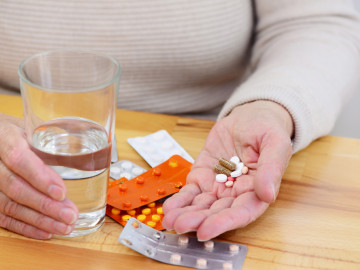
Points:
[[306, 57]]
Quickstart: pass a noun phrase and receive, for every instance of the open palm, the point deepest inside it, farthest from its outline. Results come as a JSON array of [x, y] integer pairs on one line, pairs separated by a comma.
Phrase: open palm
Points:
[[259, 134]]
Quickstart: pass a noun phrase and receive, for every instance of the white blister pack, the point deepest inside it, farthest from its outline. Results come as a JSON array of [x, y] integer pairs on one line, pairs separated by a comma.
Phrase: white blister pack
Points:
[[182, 250], [125, 168], [158, 147]]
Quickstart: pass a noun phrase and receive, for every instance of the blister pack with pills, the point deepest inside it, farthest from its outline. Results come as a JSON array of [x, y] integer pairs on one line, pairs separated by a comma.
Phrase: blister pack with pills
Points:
[[180, 249], [158, 147], [150, 214], [125, 168], [161, 181]]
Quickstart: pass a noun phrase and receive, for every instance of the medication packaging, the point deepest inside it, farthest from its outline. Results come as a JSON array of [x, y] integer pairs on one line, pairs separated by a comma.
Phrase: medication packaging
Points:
[[182, 250], [158, 147], [154, 184], [125, 168]]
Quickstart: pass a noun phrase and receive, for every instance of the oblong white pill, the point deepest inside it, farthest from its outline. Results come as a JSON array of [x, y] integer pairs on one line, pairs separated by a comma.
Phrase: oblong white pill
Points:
[[126, 175], [235, 159], [221, 178], [239, 166], [126, 165], [235, 173], [115, 170]]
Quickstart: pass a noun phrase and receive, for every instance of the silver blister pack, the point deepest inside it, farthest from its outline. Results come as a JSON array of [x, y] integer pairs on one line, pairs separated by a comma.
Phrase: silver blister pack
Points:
[[182, 250], [158, 147], [125, 168]]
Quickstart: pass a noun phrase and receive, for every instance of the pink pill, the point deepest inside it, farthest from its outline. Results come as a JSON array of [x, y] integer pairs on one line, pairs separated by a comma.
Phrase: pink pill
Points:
[[231, 178]]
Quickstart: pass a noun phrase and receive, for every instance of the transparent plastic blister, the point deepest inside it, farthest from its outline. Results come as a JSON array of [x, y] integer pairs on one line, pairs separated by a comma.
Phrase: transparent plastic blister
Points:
[[158, 147], [180, 249], [125, 168]]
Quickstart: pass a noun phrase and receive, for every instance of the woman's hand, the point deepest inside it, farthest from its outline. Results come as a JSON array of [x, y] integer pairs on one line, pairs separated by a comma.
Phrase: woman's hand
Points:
[[32, 195], [259, 133]]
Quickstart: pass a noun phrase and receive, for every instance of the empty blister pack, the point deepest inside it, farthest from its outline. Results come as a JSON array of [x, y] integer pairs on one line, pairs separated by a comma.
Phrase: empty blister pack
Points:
[[125, 168], [158, 147], [180, 249]]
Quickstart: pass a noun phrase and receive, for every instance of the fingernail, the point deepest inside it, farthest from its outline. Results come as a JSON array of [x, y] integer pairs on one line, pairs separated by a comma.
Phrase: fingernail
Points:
[[68, 215], [62, 228], [274, 193], [45, 235], [68, 230], [56, 192]]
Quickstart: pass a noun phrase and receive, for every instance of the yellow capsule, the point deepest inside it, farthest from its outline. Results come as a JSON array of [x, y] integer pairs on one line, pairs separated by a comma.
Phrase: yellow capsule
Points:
[[125, 217], [146, 211], [151, 224], [115, 211], [141, 218], [151, 205], [155, 218], [131, 212]]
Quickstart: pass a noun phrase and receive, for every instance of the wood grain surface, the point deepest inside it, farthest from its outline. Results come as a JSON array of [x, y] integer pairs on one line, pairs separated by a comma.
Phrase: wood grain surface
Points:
[[314, 223]]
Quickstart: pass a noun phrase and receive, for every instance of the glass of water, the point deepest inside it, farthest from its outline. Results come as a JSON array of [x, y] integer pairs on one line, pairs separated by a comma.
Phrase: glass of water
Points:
[[69, 100]]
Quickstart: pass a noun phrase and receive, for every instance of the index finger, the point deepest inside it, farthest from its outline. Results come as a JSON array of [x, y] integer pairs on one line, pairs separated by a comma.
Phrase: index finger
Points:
[[16, 154]]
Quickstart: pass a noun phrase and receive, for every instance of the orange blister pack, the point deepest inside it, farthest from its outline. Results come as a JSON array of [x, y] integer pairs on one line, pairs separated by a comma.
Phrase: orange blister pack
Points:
[[150, 214], [161, 181]]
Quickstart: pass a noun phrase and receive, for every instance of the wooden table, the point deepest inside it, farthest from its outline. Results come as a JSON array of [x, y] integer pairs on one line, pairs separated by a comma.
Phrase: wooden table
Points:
[[314, 224]]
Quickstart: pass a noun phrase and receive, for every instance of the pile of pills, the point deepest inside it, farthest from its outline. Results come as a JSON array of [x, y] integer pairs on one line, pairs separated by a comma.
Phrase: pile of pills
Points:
[[228, 170], [182, 250]]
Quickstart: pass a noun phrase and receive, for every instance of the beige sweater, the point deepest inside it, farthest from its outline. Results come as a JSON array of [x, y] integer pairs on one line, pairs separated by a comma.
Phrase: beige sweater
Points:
[[190, 56]]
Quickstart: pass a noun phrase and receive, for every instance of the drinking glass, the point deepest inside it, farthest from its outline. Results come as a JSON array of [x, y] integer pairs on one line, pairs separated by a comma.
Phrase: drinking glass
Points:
[[69, 100]]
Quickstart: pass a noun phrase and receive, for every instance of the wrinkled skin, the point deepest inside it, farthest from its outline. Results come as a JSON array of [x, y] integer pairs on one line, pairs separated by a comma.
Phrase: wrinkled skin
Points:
[[32, 195], [33, 199], [259, 133]]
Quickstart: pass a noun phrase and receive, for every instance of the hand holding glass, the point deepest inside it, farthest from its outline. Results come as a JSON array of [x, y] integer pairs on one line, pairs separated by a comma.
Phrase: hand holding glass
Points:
[[69, 100]]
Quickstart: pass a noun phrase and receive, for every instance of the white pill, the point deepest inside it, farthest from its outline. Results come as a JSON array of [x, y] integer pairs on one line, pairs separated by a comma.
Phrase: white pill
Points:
[[209, 245], [239, 166], [126, 175], [126, 165], [175, 258], [183, 240], [234, 248], [157, 158], [235, 159], [137, 171], [235, 173], [201, 263], [227, 266], [221, 178], [244, 170], [229, 183], [158, 136], [115, 170], [149, 149], [167, 145]]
